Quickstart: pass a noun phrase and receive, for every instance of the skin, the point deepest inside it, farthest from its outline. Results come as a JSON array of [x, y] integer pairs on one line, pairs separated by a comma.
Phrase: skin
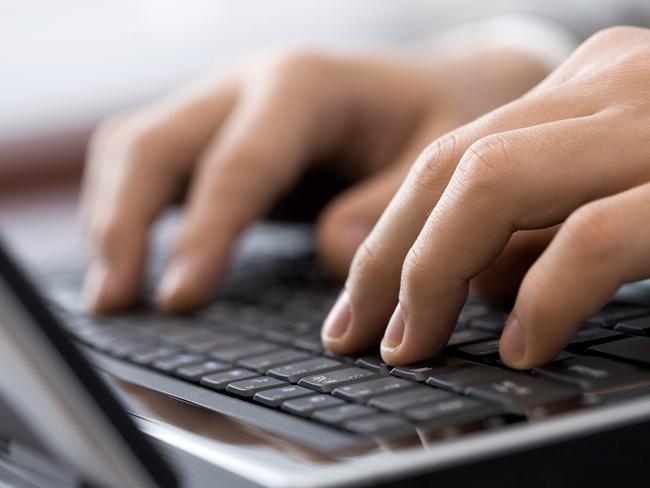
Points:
[[244, 137], [562, 173]]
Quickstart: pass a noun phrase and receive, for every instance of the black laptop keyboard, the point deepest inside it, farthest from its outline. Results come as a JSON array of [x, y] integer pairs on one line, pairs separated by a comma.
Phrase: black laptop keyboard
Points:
[[264, 347]]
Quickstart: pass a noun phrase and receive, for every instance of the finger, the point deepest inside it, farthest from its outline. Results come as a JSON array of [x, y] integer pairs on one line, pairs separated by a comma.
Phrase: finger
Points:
[[254, 159], [500, 281], [349, 218], [601, 246], [372, 287], [522, 179], [135, 169]]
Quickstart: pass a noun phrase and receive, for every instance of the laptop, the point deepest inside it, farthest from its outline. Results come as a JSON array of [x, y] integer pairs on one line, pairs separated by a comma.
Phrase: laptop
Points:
[[242, 394]]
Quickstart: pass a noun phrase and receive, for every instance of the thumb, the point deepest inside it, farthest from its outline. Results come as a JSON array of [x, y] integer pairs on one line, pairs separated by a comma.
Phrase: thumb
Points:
[[348, 219]]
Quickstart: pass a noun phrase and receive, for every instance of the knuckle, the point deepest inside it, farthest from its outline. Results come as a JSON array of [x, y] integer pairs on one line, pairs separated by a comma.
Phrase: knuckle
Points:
[[295, 63], [613, 34], [434, 162], [592, 231], [415, 275], [485, 163], [367, 262]]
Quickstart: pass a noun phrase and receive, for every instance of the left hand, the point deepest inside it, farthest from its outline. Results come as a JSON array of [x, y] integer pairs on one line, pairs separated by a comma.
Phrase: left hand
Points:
[[575, 152]]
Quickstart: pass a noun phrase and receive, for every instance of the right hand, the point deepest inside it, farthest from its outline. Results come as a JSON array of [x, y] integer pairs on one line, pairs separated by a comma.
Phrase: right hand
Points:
[[245, 137]]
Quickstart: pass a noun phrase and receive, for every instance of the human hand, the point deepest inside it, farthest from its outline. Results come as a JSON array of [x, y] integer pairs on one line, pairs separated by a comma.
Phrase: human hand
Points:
[[567, 164], [244, 138]]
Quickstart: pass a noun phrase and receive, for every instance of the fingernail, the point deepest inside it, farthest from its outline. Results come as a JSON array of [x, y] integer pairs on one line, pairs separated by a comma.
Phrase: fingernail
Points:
[[394, 332], [173, 279], [339, 318], [512, 341], [95, 284]]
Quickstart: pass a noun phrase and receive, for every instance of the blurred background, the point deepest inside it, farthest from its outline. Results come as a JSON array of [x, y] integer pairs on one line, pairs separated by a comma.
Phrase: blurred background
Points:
[[65, 64]]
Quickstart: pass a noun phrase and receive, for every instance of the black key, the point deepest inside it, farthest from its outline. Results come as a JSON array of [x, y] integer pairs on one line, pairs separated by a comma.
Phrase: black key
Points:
[[634, 349], [640, 326], [383, 425], [590, 336], [421, 371], [457, 379], [328, 381], [454, 415], [306, 405], [210, 341], [595, 375], [124, 347], [295, 371], [248, 388], [487, 351], [373, 363], [311, 343], [492, 321], [612, 315], [361, 392], [175, 361], [149, 354], [468, 336], [338, 415], [401, 400], [235, 351], [446, 407], [276, 396], [265, 362], [196, 371], [219, 381], [525, 395]]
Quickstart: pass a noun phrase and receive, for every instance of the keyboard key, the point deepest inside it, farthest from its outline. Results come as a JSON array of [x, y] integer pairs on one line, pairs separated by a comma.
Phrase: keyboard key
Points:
[[306, 405], [526, 395], [361, 392], [264, 362], [338, 415], [173, 362], [448, 407], [401, 400], [149, 354], [634, 349], [459, 378], [383, 425], [311, 343], [328, 381], [421, 371], [589, 336], [454, 415], [248, 388], [640, 326], [612, 315], [493, 321], [373, 363], [209, 341], [487, 351], [276, 396], [196, 371], [219, 381], [231, 353], [593, 373], [295, 371], [468, 336]]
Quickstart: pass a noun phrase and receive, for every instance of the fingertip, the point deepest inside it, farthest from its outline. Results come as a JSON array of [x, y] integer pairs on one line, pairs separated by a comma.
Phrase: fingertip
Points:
[[512, 346], [182, 287], [105, 290]]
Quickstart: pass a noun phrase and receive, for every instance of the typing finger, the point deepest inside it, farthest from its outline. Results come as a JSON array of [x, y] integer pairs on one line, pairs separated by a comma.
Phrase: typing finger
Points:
[[601, 246]]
